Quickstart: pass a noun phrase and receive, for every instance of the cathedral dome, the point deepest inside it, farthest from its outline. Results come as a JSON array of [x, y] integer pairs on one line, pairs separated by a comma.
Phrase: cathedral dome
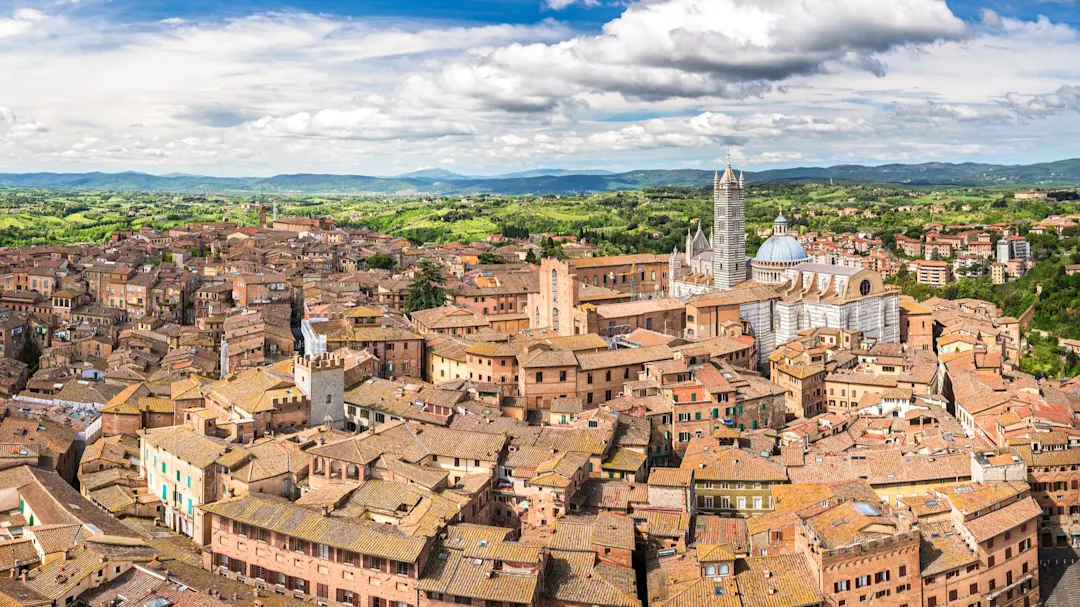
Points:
[[781, 248]]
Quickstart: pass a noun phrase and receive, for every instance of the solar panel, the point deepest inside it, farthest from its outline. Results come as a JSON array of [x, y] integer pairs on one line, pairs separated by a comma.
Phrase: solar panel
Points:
[[866, 509]]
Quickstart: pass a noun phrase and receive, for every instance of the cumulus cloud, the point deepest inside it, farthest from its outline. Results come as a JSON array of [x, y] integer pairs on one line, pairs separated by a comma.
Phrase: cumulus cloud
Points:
[[955, 112], [696, 48], [1066, 98], [20, 22], [558, 5], [361, 123], [14, 127], [666, 83]]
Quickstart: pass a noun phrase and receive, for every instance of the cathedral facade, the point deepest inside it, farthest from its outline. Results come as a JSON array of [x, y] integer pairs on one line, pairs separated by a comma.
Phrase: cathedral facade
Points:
[[785, 293]]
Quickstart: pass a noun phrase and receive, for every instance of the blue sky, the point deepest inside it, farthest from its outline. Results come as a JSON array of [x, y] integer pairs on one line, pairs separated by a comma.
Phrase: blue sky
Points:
[[490, 86], [504, 11]]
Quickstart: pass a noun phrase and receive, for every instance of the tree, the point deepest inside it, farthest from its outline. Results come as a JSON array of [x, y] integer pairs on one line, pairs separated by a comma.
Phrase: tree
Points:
[[427, 288], [381, 261], [31, 355], [491, 258]]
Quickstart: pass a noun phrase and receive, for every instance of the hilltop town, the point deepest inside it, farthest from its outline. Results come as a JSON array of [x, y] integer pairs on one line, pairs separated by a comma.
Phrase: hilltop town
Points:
[[304, 412]]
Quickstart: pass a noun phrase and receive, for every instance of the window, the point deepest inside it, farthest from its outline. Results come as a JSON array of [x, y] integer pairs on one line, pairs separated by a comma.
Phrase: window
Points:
[[322, 591], [562, 375], [539, 377], [724, 569], [710, 570], [402, 568], [902, 571], [862, 581], [375, 563], [881, 576], [841, 586]]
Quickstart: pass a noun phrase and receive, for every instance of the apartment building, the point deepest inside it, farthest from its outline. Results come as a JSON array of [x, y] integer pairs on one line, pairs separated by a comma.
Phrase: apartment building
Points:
[[274, 544], [929, 272], [733, 482], [180, 467], [861, 553]]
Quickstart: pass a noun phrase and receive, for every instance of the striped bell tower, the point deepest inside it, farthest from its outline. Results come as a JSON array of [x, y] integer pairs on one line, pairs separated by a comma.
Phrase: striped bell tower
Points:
[[729, 230]]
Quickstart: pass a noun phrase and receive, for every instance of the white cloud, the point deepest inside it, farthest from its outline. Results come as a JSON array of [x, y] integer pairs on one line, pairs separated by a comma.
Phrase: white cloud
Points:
[[957, 112], [1066, 98], [696, 48], [667, 83], [12, 127], [365, 123], [558, 5], [20, 22]]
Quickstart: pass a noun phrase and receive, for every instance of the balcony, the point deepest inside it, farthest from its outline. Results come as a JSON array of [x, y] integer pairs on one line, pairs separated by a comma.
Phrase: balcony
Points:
[[1000, 591]]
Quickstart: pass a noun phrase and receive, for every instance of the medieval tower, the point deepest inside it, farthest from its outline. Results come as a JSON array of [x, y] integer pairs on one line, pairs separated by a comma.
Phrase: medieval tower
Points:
[[729, 231], [322, 378]]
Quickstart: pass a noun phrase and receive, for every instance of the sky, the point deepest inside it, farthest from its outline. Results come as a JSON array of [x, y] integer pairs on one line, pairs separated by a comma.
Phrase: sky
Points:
[[482, 87]]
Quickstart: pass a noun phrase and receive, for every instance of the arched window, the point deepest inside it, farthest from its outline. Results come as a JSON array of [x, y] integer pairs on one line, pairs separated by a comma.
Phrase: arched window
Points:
[[554, 285], [536, 322], [724, 569], [710, 570], [555, 319]]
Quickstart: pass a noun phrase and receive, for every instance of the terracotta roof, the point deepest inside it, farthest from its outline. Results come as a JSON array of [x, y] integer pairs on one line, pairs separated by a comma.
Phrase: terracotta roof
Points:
[[670, 477], [942, 549], [577, 578], [185, 443], [734, 465], [283, 517], [1001, 520]]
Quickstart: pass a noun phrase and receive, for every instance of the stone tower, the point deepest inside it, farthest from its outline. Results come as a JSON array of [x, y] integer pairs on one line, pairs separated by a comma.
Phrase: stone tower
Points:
[[729, 231], [322, 378]]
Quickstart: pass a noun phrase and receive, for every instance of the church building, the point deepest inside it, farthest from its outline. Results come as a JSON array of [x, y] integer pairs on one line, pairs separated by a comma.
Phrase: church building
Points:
[[779, 292]]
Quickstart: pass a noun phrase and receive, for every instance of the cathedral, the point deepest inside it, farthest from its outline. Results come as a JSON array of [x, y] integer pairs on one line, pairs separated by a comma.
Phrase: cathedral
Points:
[[779, 291]]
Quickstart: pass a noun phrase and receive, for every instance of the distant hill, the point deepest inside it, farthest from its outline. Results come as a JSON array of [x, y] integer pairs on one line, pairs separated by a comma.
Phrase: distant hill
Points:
[[1062, 173], [552, 173], [431, 174]]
